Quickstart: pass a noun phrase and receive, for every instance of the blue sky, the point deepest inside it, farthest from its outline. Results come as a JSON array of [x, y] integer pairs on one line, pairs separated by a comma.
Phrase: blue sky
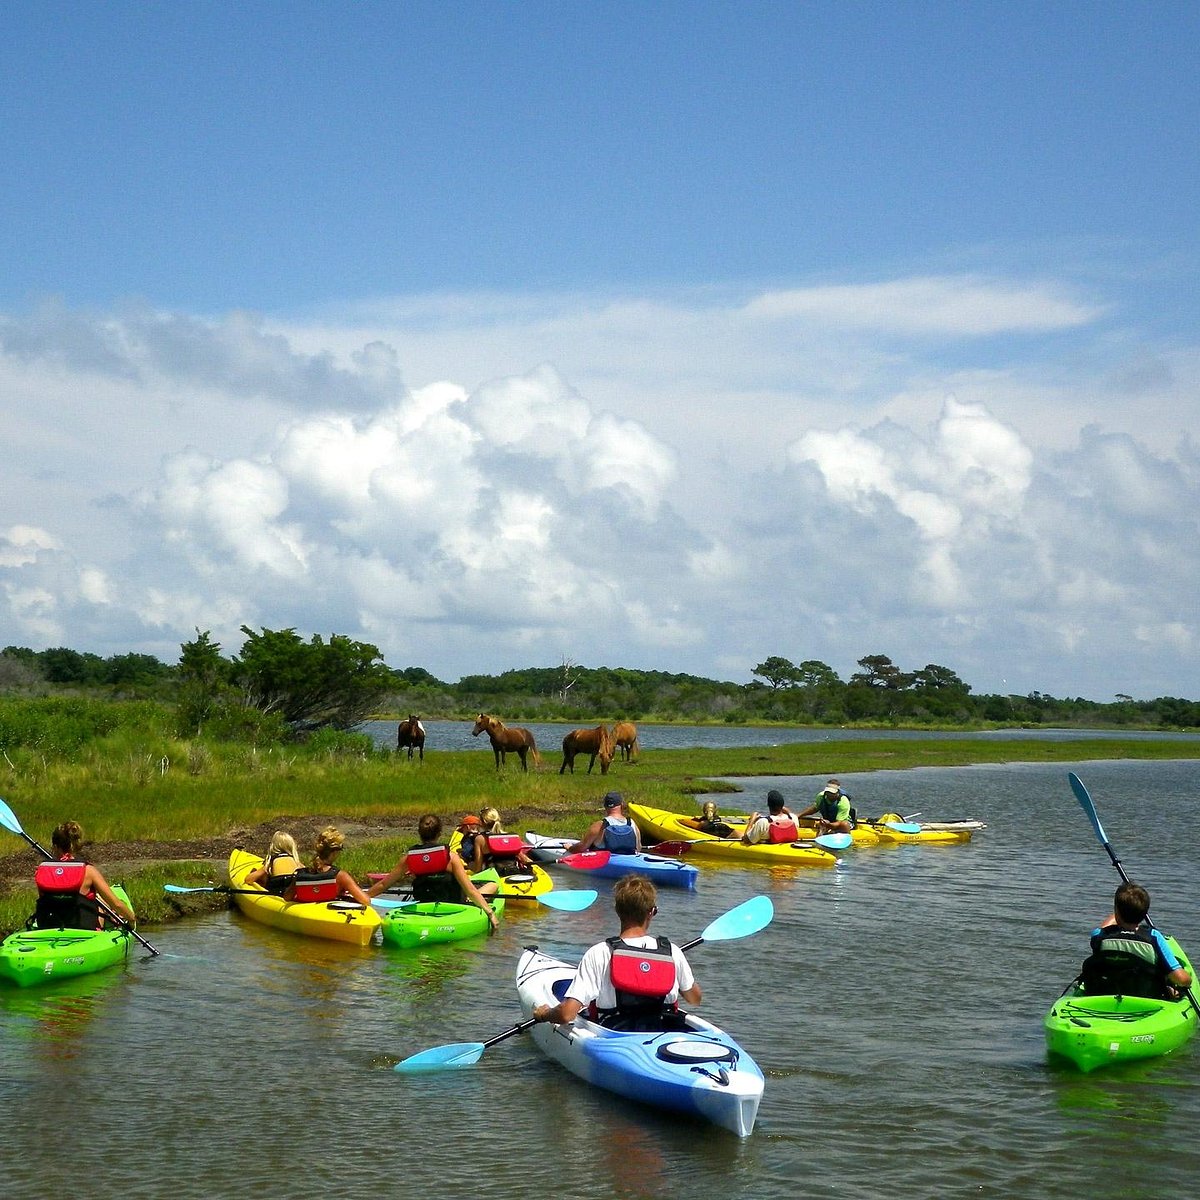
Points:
[[840, 330]]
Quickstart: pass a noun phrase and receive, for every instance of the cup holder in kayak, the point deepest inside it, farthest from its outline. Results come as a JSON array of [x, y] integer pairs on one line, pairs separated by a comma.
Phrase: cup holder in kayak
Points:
[[690, 1050]]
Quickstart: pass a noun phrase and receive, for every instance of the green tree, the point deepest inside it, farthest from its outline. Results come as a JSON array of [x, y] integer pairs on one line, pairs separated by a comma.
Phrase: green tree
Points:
[[778, 672], [312, 684]]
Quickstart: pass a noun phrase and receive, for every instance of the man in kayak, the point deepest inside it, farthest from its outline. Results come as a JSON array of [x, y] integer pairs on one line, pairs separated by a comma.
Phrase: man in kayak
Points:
[[778, 825], [1130, 957], [614, 832], [832, 810], [634, 980]]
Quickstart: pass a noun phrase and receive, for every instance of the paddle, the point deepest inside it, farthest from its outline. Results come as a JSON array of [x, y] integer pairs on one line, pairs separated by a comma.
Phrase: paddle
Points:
[[748, 917], [669, 849], [8, 819], [827, 841], [1085, 802]]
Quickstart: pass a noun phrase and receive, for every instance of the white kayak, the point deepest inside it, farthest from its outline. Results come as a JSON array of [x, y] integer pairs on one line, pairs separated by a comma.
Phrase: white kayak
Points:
[[700, 1071], [545, 849]]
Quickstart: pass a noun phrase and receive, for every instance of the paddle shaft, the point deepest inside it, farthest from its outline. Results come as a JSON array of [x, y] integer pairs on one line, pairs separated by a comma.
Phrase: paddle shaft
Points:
[[103, 907], [1085, 800]]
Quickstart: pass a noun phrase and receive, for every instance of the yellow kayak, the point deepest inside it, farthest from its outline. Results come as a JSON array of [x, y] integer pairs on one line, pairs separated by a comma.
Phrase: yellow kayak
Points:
[[880, 832], [661, 826], [337, 920]]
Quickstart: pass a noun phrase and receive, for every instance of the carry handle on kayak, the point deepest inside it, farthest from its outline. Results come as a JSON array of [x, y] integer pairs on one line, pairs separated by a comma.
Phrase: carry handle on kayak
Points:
[[748, 917], [8, 819]]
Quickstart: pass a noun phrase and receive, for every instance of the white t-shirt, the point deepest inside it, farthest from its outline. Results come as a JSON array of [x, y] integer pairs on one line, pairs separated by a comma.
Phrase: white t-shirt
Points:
[[593, 977]]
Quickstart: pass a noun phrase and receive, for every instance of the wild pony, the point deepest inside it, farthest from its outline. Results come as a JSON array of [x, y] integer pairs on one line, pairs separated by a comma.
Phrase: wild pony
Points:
[[411, 733], [517, 740], [626, 739], [596, 742]]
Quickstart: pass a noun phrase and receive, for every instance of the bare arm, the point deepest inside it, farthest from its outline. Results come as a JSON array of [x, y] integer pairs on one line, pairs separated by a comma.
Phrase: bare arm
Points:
[[692, 995], [348, 884], [473, 893], [589, 839], [393, 876], [94, 881], [562, 1013]]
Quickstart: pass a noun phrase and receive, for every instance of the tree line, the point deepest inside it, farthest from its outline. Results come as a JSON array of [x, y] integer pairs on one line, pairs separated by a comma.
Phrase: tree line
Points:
[[278, 678]]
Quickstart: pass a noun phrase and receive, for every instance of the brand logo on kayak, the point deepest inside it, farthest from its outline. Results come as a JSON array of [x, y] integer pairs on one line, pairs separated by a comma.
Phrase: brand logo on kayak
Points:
[[1142, 1037]]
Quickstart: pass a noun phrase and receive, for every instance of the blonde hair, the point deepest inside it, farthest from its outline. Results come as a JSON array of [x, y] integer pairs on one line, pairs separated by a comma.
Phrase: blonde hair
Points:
[[67, 838], [490, 819], [281, 844], [329, 842], [709, 811]]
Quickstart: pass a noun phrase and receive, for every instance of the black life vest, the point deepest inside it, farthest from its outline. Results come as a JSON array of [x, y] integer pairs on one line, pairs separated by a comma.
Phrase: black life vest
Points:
[[60, 903], [1124, 962], [279, 883], [430, 868], [827, 806]]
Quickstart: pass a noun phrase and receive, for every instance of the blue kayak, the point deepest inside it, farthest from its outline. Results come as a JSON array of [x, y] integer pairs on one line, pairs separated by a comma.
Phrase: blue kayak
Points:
[[602, 864], [699, 1071]]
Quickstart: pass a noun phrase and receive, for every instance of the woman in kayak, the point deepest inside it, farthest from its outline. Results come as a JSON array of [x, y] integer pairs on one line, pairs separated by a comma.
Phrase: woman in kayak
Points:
[[631, 981], [504, 851], [1130, 957], [614, 832], [279, 868], [69, 886], [438, 874], [307, 885]]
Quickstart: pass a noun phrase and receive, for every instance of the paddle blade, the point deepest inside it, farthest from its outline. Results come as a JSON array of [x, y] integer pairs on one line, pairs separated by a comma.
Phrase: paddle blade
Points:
[[834, 841], [670, 849], [575, 901], [902, 826], [387, 903], [455, 1054], [183, 891], [8, 819], [1085, 802], [749, 917]]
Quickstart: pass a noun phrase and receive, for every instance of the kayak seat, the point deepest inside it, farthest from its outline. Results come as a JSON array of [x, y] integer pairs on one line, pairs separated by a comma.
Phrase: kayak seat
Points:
[[1114, 973]]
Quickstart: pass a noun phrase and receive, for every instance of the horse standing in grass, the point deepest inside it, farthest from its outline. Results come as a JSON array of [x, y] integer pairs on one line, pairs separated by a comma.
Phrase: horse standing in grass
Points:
[[626, 738], [517, 740], [411, 733], [596, 742]]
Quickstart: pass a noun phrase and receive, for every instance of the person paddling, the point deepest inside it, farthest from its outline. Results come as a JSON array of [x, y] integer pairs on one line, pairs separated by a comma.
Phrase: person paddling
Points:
[[633, 981], [438, 873], [614, 832], [69, 885], [1130, 957]]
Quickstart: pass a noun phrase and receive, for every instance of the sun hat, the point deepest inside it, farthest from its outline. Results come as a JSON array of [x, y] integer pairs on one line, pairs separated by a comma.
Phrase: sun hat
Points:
[[833, 786]]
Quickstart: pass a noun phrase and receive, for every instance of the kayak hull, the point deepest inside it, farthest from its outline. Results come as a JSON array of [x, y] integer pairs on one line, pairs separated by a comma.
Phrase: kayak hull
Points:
[[429, 924], [665, 826], [32, 957], [1097, 1031], [518, 886], [335, 921], [699, 1072]]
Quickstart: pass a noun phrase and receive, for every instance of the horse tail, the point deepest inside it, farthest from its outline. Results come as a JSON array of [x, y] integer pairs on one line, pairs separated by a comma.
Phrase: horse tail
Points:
[[533, 750], [633, 748]]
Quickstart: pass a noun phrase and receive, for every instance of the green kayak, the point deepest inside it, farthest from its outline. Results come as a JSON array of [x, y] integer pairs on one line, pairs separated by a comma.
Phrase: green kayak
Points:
[[1094, 1031], [36, 956], [426, 923]]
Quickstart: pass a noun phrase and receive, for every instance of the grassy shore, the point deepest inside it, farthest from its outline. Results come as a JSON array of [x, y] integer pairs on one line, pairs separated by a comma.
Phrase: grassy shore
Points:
[[173, 816]]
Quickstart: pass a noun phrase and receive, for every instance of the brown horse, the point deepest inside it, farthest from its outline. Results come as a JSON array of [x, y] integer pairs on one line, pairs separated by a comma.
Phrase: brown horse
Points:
[[503, 739], [596, 742], [625, 736], [411, 733]]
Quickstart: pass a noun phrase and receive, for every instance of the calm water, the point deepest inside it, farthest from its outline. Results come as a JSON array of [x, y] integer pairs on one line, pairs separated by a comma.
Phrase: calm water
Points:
[[895, 1005]]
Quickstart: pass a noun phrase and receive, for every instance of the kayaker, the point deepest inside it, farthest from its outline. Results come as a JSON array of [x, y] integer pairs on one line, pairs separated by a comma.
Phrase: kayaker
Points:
[[633, 980], [68, 886], [438, 874], [1130, 957], [279, 868], [614, 832], [832, 810], [709, 821], [778, 825], [324, 870], [467, 842], [504, 851]]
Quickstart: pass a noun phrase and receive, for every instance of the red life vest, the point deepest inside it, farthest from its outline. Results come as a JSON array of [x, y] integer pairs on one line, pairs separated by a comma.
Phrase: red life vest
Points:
[[782, 829], [427, 860], [312, 887], [432, 880], [641, 971], [60, 903], [504, 845]]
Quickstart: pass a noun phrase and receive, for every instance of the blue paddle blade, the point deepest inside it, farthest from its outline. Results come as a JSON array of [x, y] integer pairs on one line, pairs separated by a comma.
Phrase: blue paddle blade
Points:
[[8, 819], [834, 841], [1085, 802], [902, 826], [387, 903], [574, 901], [749, 917], [174, 887], [456, 1054]]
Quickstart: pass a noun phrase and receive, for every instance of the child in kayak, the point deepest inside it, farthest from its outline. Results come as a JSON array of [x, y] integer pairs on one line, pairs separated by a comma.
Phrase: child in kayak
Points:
[[1130, 957], [279, 868], [68, 886], [501, 850], [634, 980], [709, 821]]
